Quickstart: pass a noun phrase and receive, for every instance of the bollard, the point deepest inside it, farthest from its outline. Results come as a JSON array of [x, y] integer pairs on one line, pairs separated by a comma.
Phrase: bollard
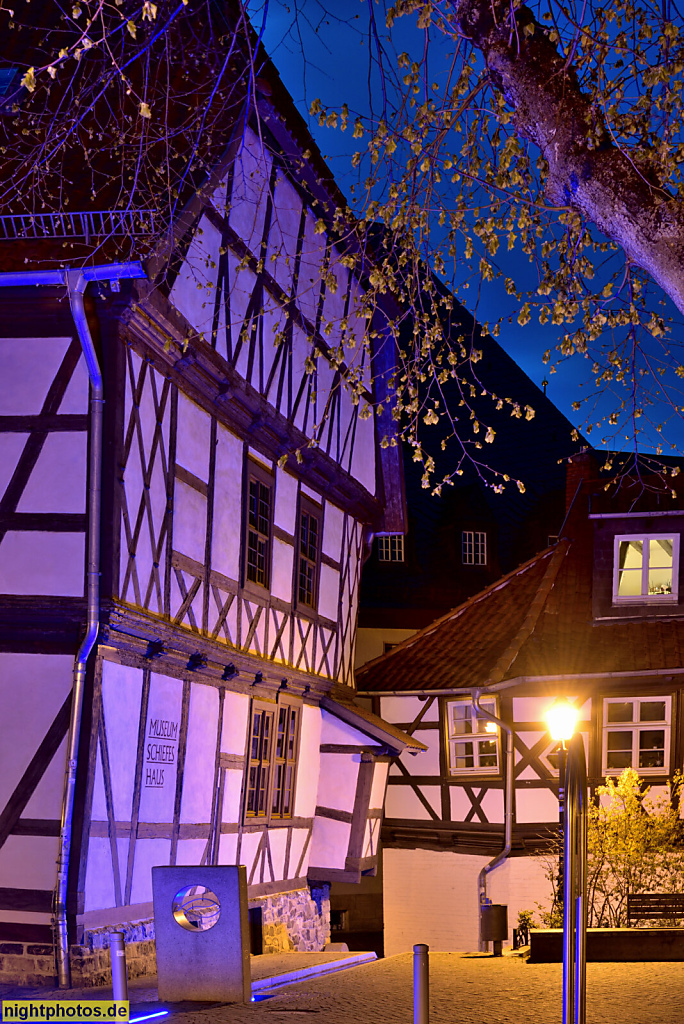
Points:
[[421, 984], [117, 952]]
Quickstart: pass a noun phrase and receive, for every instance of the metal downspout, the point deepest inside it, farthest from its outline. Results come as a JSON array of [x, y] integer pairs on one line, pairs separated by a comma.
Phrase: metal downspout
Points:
[[76, 282], [509, 796]]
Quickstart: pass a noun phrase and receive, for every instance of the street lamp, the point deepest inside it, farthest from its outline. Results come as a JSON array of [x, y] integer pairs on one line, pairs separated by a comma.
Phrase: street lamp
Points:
[[561, 719]]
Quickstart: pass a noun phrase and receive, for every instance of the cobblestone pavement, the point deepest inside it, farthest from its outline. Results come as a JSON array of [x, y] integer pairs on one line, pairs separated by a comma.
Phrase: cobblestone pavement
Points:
[[466, 990]]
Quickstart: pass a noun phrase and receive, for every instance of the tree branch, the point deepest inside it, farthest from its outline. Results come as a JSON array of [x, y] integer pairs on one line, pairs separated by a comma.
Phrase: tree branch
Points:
[[550, 109]]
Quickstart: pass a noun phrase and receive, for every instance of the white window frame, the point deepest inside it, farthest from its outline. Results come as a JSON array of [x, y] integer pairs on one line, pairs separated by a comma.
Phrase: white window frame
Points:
[[391, 547], [636, 727], [477, 736], [645, 597], [474, 547]]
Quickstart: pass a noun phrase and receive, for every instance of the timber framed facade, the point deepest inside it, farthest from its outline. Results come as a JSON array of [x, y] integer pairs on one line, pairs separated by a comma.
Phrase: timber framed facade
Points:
[[554, 627], [240, 479]]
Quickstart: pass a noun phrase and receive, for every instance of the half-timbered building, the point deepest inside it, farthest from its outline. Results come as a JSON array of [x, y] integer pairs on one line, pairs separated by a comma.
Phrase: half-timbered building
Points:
[[598, 618], [179, 567]]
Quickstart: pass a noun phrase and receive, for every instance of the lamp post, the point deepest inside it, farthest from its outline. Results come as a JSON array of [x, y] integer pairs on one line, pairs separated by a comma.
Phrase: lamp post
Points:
[[561, 719]]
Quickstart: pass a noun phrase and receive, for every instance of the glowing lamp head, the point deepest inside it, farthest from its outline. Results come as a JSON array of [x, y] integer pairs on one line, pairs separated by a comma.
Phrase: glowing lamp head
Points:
[[491, 727], [561, 719]]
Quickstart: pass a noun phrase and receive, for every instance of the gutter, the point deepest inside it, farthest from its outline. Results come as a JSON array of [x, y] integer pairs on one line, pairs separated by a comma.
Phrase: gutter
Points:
[[509, 798], [76, 282]]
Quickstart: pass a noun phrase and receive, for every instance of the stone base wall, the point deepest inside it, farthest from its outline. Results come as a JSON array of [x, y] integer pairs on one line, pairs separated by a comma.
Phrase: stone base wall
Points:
[[26, 963], [291, 922], [295, 921]]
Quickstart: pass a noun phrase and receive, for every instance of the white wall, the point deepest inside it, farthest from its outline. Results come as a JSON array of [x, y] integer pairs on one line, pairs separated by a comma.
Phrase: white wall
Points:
[[431, 896]]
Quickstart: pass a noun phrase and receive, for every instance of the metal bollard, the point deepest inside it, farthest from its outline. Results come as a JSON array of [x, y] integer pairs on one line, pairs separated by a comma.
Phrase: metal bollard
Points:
[[117, 952], [421, 984]]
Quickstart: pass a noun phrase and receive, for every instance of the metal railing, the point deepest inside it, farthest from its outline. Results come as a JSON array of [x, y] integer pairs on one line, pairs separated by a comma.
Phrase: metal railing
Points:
[[575, 886], [84, 224]]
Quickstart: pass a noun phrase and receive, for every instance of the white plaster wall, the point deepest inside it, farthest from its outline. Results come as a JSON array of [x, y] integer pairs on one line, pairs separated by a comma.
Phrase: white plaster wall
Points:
[[228, 849], [281, 575], [402, 802], [404, 709], [198, 773], [296, 846], [329, 593], [425, 762], [535, 805], [363, 458], [99, 884], [42, 563], [329, 843], [194, 290], [33, 687], [121, 696], [29, 862], [157, 802], [29, 366], [234, 730], [431, 897], [252, 170], [337, 781], [309, 282], [334, 730], [308, 763], [377, 796], [148, 854], [332, 531], [11, 447], [193, 435], [225, 541], [58, 480], [189, 521], [277, 840], [232, 795], [282, 239]]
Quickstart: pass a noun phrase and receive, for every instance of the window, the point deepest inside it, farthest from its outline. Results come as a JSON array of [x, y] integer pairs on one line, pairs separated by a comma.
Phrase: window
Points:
[[259, 517], [473, 740], [636, 734], [646, 568], [391, 548], [474, 547], [308, 554], [273, 748]]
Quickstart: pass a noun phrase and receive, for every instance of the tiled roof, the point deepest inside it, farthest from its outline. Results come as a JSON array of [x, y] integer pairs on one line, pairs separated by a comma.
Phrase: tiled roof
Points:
[[535, 622], [475, 643]]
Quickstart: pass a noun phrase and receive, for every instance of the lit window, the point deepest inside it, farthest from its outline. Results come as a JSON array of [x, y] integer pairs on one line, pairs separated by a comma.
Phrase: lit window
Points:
[[272, 761], [636, 734], [309, 554], [474, 547], [391, 548], [258, 526], [473, 740], [646, 568]]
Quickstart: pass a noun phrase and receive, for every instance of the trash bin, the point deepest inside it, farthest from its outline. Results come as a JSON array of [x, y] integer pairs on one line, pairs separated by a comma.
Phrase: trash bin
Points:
[[494, 924], [202, 933]]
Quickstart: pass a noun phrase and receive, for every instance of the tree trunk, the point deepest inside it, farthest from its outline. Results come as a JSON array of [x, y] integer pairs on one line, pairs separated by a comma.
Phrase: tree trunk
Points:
[[550, 109]]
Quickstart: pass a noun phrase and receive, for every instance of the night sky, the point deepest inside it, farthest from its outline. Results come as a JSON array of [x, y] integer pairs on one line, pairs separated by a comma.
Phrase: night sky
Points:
[[323, 52]]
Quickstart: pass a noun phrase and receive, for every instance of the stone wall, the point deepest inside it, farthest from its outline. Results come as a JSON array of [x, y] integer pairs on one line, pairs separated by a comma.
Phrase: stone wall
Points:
[[296, 921]]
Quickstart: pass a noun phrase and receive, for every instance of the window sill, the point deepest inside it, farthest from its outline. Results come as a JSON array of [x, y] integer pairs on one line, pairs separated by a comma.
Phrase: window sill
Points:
[[652, 599]]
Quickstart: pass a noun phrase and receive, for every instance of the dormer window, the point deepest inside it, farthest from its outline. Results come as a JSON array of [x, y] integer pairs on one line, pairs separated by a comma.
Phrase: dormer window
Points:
[[646, 568]]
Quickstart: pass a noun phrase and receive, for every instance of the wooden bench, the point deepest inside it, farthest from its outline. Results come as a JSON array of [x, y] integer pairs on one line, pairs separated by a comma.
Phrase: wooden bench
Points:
[[651, 905]]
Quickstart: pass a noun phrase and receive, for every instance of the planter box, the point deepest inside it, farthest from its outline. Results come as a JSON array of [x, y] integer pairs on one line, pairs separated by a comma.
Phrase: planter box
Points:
[[612, 945]]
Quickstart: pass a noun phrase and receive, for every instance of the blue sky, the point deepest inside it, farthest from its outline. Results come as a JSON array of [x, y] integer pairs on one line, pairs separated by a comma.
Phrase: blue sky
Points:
[[324, 53]]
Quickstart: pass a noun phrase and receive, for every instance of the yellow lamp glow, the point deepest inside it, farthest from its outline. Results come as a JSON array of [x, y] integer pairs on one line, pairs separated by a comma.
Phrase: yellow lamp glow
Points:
[[491, 727], [561, 719]]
